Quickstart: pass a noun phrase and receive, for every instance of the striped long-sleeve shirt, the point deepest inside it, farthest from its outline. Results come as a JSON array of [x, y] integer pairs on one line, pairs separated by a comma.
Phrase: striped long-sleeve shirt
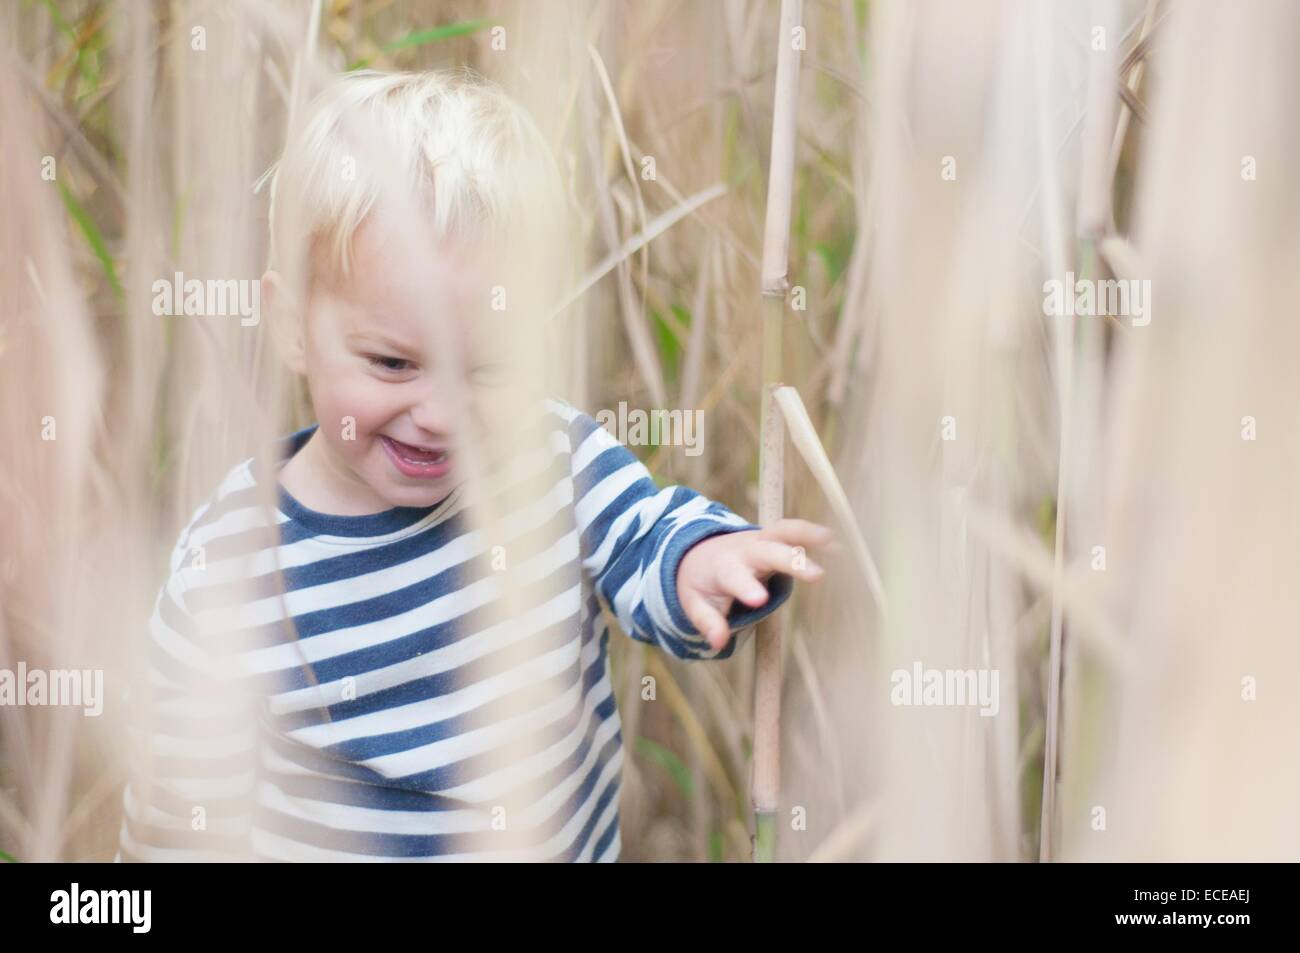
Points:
[[331, 687]]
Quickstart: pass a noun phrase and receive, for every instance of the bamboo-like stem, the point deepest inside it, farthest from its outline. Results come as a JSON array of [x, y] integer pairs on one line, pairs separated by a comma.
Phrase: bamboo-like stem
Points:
[[766, 781], [766, 785]]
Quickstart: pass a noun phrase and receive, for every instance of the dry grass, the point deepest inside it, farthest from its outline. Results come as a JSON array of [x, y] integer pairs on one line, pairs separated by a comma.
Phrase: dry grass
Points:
[[1119, 689]]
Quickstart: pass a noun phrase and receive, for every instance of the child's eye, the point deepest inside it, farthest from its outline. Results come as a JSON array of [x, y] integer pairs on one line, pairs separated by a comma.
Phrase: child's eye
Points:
[[389, 363], [489, 374]]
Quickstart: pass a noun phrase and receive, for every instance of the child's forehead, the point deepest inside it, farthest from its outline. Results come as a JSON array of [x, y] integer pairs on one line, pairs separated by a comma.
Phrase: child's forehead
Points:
[[409, 253], [391, 271]]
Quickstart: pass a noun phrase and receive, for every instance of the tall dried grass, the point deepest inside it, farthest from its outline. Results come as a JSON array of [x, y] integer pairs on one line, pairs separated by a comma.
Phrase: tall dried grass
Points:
[[1120, 689]]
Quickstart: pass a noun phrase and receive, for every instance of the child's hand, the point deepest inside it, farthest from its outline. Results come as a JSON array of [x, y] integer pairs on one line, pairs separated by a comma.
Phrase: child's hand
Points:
[[718, 569]]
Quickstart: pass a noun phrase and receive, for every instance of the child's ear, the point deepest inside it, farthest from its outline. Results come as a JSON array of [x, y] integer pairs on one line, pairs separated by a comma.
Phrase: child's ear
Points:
[[288, 321]]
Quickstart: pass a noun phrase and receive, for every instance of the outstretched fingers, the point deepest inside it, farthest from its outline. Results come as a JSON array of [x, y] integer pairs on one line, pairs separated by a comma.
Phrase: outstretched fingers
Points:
[[771, 556], [795, 532], [707, 620]]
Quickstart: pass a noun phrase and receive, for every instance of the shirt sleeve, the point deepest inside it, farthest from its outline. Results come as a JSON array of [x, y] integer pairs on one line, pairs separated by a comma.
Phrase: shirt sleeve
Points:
[[192, 733], [633, 536]]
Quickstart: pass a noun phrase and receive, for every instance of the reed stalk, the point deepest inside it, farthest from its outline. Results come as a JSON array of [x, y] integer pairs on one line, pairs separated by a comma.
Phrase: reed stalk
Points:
[[766, 786]]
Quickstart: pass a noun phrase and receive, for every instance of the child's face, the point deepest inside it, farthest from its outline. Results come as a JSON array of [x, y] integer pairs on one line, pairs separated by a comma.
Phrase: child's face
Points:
[[388, 356]]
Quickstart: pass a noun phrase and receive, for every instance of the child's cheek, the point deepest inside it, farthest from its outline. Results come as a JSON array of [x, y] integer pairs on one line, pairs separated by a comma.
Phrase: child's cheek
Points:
[[350, 406]]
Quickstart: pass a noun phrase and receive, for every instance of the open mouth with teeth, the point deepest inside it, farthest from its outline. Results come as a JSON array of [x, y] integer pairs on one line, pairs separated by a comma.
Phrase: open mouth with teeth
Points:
[[425, 463]]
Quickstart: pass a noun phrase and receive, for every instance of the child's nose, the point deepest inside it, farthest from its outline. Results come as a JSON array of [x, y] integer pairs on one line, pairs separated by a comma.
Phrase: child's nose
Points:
[[433, 413]]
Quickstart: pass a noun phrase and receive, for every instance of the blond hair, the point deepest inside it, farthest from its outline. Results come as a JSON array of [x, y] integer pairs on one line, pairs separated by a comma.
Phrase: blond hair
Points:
[[470, 156]]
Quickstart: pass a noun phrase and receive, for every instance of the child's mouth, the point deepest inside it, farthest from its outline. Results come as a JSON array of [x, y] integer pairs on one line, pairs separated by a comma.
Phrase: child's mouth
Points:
[[416, 461]]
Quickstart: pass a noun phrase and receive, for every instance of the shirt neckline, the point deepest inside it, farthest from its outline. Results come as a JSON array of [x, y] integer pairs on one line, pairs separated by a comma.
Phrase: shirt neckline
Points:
[[317, 523]]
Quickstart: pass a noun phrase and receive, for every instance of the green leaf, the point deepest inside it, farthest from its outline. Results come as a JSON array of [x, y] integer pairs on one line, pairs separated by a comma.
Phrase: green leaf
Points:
[[834, 254], [422, 37], [715, 846], [93, 237], [1046, 518], [59, 22], [653, 751], [670, 349], [8, 858]]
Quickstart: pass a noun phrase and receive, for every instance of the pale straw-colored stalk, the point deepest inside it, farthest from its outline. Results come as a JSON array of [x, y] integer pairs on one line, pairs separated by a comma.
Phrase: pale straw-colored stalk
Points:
[[766, 785]]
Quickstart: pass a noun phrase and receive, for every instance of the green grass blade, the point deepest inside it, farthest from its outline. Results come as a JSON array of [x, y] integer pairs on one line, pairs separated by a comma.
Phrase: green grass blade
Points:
[[93, 237], [653, 751], [434, 35], [423, 37]]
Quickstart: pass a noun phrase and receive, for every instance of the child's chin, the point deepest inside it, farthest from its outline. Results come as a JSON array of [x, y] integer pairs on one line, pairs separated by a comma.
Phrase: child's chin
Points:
[[430, 493]]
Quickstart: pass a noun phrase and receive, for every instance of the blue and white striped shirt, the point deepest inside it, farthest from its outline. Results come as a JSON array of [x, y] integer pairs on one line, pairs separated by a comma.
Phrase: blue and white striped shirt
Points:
[[333, 687]]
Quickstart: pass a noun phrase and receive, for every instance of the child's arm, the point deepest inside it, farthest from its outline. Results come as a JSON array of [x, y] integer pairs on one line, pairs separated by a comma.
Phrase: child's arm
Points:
[[193, 736], [634, 537]]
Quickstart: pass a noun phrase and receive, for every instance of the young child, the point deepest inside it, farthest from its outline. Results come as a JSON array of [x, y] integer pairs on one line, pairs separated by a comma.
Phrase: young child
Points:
[[327, 684]]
